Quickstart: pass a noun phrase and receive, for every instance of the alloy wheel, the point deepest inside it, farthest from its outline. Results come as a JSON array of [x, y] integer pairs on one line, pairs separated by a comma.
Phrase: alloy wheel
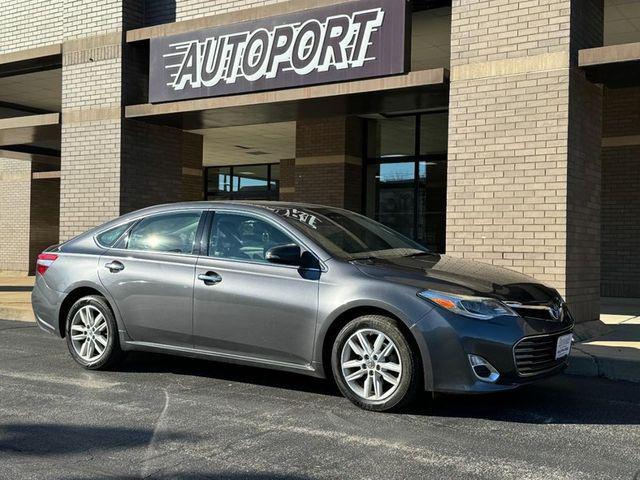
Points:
[[89, 333], [371, 364]]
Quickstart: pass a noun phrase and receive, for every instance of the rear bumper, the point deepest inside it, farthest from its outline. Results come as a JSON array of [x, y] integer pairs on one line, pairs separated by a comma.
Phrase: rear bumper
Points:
[[448, 340], [46, 303]]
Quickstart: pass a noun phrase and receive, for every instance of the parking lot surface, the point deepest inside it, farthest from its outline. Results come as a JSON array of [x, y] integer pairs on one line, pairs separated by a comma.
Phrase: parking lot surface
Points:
[[167, 417]]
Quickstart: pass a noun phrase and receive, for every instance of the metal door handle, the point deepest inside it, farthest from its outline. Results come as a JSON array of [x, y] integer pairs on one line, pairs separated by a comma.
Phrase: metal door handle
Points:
[[114, 266], [210, 278]]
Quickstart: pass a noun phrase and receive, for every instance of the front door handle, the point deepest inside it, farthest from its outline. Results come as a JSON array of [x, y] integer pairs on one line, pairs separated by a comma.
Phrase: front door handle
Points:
[[114, 266], [210, 278]]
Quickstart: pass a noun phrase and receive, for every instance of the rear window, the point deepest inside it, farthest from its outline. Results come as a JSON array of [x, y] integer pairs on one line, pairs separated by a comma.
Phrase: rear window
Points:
[[109, 237]]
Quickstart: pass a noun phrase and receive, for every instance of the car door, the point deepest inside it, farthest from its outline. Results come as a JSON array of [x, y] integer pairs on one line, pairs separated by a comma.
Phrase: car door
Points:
[[249, 306], [150, 275]]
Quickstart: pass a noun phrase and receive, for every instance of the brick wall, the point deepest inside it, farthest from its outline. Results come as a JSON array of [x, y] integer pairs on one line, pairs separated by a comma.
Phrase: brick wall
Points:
[[15, 186], [44, 218], [515, 192], [30, 23], [328, 167], [166, 11], [620, 193], [159, 165]]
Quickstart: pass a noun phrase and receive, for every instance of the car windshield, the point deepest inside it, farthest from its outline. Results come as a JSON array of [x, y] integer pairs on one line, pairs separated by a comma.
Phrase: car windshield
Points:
[[348, 235]]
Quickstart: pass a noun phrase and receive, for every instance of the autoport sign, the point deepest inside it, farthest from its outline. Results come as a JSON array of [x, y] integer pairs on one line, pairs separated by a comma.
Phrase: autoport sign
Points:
[[346, 41]]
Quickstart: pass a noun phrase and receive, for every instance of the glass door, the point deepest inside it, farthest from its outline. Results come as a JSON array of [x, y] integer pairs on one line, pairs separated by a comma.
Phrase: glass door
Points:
[[406, 175]]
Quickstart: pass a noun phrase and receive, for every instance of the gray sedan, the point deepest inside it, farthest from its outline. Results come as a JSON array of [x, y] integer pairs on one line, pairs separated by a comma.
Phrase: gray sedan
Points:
[[303, 288]]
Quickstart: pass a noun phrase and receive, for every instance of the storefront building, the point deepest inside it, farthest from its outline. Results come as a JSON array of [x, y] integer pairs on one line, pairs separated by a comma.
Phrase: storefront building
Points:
[[501, 131]]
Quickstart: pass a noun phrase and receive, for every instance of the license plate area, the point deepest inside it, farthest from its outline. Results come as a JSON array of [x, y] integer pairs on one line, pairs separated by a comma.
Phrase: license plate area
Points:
[[563, 346]]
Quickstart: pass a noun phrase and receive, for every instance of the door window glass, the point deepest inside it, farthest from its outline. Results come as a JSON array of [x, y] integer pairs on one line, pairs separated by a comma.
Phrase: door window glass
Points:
[[173, 233], [243, 237]]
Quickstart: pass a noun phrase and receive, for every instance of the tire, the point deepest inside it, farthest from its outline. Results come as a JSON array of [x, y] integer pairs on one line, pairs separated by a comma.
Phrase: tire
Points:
[[352, 370], [92, 313]]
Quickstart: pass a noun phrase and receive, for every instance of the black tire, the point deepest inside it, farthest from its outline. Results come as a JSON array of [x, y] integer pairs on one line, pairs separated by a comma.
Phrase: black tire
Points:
[[409, 378], [112, 353]]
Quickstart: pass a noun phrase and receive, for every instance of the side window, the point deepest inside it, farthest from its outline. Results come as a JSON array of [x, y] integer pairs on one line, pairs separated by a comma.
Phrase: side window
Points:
[[109, 238], [172, 232], [243, 237]]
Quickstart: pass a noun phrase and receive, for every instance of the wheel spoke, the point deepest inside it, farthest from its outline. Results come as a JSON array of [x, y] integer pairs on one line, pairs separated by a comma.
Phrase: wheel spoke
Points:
[[101, 340], [78, 328], [393, 367], [99, 349], [387, 350], [377, 345], [355, 375], [367, 387], [78, 337], [389, 378], [377, 385], [101, 323], [84, 348], [83, 317], [356, 349], [364, 343], [352, 364]]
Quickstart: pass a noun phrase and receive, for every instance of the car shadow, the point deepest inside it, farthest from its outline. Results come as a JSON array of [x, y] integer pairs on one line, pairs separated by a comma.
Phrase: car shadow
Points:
[[565, 399], [49, 439], [141, 362]]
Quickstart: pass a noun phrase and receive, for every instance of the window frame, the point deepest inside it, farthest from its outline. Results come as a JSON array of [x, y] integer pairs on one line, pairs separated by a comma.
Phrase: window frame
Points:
[[295, 236], [270, 193]]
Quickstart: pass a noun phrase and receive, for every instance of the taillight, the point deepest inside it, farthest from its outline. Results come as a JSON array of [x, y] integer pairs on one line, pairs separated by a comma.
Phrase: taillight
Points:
[[45, 260]]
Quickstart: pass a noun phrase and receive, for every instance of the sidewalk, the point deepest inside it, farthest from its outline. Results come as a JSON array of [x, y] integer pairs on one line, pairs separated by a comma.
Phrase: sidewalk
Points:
[[612, 350], [15, 298], [609, 348]]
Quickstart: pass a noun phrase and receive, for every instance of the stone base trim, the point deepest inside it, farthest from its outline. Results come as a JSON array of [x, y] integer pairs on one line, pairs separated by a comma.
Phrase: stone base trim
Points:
[[512, 66]]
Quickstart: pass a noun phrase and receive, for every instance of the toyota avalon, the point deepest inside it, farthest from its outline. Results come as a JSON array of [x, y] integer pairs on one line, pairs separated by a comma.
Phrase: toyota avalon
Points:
[[303, 288]]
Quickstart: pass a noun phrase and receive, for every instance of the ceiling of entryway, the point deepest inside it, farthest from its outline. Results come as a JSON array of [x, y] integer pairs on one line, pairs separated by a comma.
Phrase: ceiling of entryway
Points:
[[247, 144], [621, 21]]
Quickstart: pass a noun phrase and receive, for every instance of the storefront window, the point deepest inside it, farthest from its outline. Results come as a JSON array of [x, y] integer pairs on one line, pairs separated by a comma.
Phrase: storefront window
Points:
[[243, 182], [406, 176]]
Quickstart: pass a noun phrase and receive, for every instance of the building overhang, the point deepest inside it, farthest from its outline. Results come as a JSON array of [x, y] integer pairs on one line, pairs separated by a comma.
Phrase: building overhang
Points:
[[417, 91], [613, 65], [31, 134], [31, 60]]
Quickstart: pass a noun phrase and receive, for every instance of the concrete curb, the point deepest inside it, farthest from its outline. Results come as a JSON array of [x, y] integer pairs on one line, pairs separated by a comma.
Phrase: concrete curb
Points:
[[613, 367], [17, 314]]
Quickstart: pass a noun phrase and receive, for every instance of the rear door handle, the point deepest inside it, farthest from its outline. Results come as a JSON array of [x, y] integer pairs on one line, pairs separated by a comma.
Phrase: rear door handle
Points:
[[115, 266], [210, 278]]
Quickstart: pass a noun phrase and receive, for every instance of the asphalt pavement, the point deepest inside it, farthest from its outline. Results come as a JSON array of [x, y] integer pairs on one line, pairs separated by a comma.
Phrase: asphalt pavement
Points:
[[167, 417]]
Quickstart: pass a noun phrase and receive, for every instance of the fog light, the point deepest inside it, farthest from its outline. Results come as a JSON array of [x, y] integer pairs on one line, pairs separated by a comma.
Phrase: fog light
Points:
[[483, 370]]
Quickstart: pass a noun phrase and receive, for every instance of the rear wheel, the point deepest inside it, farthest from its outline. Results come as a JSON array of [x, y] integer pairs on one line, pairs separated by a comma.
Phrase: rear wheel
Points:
[[92, 333], [374, 365]]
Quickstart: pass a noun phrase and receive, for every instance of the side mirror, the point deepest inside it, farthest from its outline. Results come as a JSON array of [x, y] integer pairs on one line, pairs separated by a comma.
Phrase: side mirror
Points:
[[284, 255]]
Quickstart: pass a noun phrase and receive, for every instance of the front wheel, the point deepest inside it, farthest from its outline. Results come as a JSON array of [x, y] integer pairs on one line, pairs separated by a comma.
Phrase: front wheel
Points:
[[92, 333], [374, 365]]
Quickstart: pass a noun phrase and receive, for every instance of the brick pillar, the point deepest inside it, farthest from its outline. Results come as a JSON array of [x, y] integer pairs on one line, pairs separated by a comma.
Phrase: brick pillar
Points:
[[15, 190], [110, 165], [328, 164], [524, 127]]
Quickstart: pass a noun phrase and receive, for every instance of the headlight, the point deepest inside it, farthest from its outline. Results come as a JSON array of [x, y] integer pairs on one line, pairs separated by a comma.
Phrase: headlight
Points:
[[475, 307]]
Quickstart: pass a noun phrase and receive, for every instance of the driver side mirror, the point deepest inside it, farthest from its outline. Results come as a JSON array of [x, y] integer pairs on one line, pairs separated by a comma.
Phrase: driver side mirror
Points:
[[284, 255]]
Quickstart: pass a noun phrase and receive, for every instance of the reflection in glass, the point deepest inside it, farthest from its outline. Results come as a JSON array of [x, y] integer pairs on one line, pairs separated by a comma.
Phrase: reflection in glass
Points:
[[392, 195], [243, 182], [391, 137]]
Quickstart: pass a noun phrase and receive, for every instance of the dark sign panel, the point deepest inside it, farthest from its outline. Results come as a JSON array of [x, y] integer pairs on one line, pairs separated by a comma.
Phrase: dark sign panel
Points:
[[347, 41]]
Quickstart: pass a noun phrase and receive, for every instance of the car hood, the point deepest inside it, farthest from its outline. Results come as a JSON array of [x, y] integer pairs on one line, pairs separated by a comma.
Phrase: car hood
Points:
[[455, 275]]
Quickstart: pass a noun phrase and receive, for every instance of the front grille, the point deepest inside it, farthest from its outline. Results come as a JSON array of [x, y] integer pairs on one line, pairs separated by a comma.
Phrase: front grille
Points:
[[537, 355]]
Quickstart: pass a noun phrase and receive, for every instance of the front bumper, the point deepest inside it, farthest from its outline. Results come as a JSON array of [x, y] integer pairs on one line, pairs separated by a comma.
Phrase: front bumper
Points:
[[448, 339]]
